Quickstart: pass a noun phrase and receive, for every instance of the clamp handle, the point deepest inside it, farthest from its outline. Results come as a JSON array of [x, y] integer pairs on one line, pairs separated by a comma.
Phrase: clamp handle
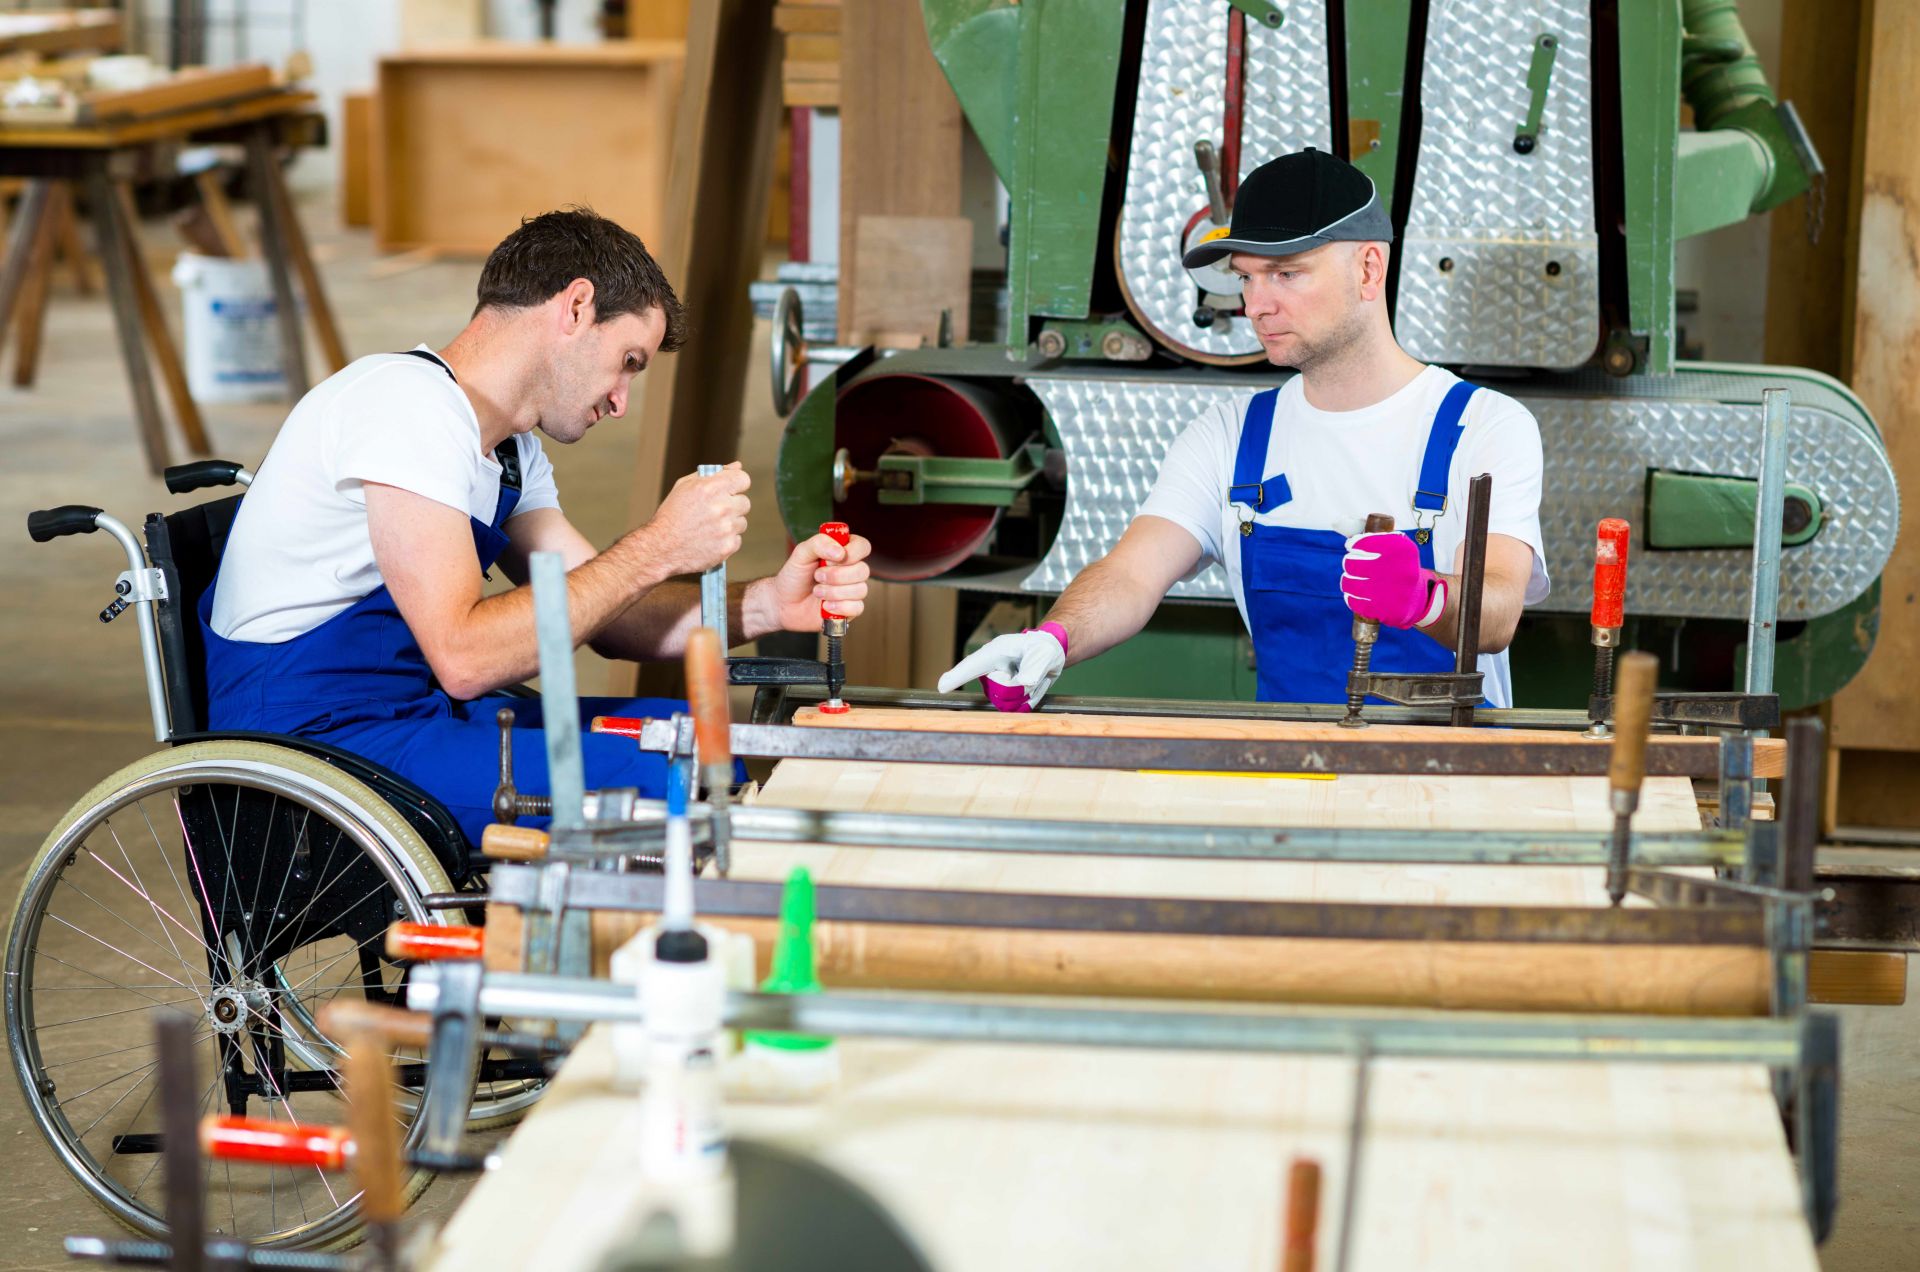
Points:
[[429, 942], [1610, 574], [252, 1139], [1632, 721], [707, 698], [1378, 523], [346, 1018], [372, 1117], [513, 843], [840, 534]]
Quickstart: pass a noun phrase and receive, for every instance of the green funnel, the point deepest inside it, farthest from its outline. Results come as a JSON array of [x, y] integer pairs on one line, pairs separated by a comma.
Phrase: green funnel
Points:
[[793, 969]]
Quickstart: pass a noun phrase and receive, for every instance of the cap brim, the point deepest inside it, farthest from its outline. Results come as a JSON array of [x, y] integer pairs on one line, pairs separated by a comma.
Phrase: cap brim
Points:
[[1216, 249]]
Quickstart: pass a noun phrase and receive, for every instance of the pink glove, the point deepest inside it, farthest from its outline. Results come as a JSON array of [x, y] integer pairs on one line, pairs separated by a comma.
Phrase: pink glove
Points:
[[1381, 578], [1019, 698]]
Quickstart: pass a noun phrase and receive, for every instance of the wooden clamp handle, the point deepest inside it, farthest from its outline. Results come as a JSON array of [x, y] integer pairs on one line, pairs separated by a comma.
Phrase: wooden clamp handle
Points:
[[1303, 1216], [513, 843], [426, 942], [1633, 684], [1378, 523], [227, 1138], [344, 1019], [707, 697], [372, 1117]]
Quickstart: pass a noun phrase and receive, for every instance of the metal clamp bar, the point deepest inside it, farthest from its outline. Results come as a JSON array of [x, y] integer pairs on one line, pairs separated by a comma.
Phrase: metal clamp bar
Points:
[[559, 701], [713, 585]]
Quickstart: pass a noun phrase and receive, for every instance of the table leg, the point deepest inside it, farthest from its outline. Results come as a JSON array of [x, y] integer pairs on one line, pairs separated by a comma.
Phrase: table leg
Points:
[[172, 374], [114, 242], [220, 212], [318, 309], [20, 254], [266, 192], [66, 229], [33, 295]]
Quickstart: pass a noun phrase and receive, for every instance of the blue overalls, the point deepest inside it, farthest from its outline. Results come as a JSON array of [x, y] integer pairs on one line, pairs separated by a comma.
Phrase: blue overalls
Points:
[[360, 682], [1302, 629]]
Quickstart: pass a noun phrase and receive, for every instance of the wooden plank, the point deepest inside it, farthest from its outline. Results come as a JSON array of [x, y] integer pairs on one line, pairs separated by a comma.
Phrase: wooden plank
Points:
[[356, 158], [1769, 754], [813, 48], [183, 90], [97, 30], [126, 132], [1875, 710], [817, 94], [911, 268], [710, 247], [1810, 285], [1869, 979], [807, 19], [472, 140], [213, 197]]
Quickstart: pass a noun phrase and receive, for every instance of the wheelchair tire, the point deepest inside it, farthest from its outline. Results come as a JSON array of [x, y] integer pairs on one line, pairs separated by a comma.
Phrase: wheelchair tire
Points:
[[122, 916]]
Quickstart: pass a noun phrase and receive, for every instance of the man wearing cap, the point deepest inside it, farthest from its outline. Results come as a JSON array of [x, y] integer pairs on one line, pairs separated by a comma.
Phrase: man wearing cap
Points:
[[1275, 484]]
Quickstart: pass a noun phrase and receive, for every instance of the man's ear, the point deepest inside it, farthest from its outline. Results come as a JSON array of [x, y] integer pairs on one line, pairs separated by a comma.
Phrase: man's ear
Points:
[[576, 306], [1370, 261]]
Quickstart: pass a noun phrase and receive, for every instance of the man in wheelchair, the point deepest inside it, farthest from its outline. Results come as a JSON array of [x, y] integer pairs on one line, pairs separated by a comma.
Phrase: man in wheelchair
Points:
[[349, 606]]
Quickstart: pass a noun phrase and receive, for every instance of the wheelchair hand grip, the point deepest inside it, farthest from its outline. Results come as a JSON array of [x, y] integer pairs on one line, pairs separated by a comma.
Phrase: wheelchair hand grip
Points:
[[251, 1139], [201, 473], [51, 523]]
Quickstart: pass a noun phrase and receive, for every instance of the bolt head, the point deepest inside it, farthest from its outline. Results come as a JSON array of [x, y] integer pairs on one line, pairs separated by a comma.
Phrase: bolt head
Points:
[[1523, 145]]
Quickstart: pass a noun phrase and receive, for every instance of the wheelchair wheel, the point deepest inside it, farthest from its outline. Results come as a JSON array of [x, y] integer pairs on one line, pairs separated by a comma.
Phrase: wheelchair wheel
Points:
[[242, 885]]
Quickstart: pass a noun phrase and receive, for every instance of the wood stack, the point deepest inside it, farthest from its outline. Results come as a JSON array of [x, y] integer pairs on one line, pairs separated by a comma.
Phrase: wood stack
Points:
[[810, 69]]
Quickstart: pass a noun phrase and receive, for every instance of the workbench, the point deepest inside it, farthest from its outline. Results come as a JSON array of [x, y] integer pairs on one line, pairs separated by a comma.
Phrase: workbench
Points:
[[1000, 1156], [105, 160]]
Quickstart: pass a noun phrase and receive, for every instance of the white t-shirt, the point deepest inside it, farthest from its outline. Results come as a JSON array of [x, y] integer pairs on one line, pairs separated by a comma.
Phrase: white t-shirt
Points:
[[299, 552], [1342, 465]]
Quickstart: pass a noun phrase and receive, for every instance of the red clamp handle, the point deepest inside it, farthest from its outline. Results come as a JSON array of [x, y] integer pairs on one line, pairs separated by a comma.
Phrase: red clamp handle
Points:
[[248, 1139], [1610, 573], [840, 534], [425, 942]]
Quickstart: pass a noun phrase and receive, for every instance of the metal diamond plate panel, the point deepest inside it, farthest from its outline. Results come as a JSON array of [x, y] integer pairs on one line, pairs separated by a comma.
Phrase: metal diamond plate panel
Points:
[[1500, 262], [1598, 451], [1182, 99]]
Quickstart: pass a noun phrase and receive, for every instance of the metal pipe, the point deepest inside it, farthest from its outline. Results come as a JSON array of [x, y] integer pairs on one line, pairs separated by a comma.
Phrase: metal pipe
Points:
[[1764, 610], [1714, 83], [559, 701], [1313, 1031], [148, 625], [1473, 578], [713, 586]]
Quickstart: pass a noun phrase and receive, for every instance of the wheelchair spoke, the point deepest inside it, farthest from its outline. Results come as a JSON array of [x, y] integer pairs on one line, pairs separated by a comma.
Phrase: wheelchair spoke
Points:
[[139, 886], [326, 887], [149, 1069], [254, 906], [106, 910], [81, 1020], [111, 984], [281, 896], [193, 859], [117, 950], [166, 857], [159, 910]]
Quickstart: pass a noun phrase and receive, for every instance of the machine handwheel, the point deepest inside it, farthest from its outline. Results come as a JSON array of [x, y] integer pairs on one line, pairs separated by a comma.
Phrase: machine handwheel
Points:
[[242, 885], [787, 352]]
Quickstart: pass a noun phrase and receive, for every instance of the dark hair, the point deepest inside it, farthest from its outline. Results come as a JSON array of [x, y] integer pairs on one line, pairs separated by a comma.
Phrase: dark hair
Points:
[[537, 261]]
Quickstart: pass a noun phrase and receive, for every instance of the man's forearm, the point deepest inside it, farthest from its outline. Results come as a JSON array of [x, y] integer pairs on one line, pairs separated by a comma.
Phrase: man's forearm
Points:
[[1500, 607], [1100, 609], [655, 627]]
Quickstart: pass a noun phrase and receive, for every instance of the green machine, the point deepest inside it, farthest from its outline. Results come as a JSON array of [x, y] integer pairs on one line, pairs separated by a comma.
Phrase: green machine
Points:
[[1538, 174]]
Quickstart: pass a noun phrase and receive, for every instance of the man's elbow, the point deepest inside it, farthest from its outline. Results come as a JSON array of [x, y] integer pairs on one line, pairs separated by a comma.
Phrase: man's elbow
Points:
[[460, 678]]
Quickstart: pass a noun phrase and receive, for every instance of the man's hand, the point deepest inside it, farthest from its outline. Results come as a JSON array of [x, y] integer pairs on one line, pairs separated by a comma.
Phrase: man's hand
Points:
[[700, 522], [819, 572], [1015, 671], [1381, 579]]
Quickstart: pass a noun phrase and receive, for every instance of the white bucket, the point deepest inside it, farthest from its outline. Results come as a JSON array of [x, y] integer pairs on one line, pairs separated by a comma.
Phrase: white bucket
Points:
[[232, 331]]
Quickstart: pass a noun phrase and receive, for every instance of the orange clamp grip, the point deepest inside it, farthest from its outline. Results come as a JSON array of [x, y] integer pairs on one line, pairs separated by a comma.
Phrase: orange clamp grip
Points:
[[1303, 1215], [624, 726], [840, 534], [707, 697], [1610, 573], [425, 942], [249, 1139]]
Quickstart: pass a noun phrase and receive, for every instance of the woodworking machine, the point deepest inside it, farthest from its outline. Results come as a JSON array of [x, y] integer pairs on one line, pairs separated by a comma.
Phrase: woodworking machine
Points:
[[1538, 175]]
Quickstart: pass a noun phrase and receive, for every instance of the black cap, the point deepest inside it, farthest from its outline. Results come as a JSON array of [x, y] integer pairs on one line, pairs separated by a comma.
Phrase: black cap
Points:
[[1296, 203]]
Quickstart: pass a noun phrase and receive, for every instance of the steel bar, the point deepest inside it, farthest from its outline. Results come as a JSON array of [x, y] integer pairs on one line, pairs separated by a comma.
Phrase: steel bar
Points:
[[1055, 912], [1473, 578], [1322, 1031], [560, 704], [179, 1123], [1209, 755], [645, 835], [1764, 609], [1873, 908], [713, 585]]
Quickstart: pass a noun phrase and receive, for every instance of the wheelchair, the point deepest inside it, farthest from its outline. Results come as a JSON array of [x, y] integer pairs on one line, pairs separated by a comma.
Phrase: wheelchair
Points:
[[242, 880]]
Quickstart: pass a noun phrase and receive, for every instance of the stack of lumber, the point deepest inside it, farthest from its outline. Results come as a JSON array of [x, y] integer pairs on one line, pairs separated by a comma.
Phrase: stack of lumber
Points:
[[185, 89], [810, 70]]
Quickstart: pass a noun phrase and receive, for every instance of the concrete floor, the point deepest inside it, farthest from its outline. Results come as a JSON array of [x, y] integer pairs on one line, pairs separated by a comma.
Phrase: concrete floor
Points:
[[76, 710]]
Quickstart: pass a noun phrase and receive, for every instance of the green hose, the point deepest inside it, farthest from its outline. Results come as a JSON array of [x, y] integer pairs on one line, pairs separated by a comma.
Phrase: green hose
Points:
[[1714, 83]]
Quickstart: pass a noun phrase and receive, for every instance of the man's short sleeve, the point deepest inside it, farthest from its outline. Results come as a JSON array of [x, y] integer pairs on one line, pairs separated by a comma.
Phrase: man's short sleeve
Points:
[[537, 488], [1505, 441], [1191, 490], [399, 427]]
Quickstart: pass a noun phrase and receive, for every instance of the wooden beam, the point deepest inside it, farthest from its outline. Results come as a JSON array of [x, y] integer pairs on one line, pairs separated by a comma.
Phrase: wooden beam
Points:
[[1769, 754], [1875, 711], [710, 246]]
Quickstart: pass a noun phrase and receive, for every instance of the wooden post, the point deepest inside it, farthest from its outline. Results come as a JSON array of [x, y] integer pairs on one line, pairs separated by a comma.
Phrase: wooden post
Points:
[[711, 246], [1875, 712], [900, 132]]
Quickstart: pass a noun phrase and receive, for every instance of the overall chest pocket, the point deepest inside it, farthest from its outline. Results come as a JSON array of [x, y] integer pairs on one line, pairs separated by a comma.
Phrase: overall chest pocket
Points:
[[1296, 562]]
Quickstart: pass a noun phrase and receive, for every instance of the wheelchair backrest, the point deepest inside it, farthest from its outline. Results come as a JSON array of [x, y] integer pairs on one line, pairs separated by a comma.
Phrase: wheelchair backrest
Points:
[[186, 547]]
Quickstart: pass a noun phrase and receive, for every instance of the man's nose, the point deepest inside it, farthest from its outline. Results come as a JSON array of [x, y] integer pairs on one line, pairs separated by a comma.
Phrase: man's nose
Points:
[[1258, 301], [617, 403]]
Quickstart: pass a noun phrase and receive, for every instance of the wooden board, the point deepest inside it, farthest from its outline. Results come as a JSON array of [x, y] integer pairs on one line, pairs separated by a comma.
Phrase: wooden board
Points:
[[911, 268], [468, 141], [356, 158], [91, 29], [999, 1157], [1875, 710], [183, 90], [1769, 754]]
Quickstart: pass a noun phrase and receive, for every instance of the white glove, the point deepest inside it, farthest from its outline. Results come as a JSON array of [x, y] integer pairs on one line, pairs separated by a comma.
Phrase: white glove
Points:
[[1027, 661]]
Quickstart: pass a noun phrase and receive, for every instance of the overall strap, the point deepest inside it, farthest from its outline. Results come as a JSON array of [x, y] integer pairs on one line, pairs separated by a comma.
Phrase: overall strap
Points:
[[1250, 484], [1442, 440], [507, 453]]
